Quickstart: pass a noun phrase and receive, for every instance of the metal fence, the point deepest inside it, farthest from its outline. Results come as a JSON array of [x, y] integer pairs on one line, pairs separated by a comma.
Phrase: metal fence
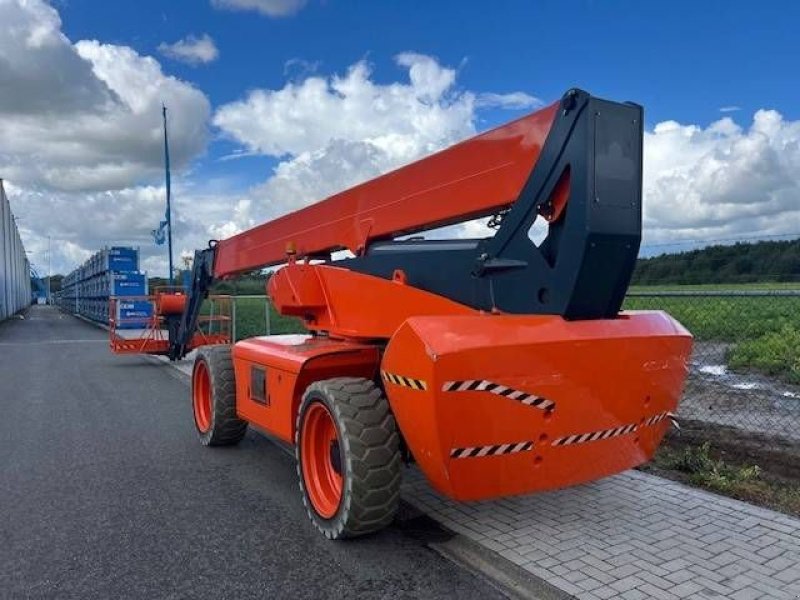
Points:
[[745, 367], [15, 280], [251, 316]]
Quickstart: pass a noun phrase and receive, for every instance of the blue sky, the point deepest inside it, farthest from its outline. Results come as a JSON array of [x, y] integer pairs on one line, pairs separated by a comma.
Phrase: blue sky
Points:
[[684, 61]]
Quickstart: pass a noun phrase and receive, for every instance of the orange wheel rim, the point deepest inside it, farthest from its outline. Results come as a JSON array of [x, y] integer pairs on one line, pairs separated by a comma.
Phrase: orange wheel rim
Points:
[[201, 397], [320, 460]]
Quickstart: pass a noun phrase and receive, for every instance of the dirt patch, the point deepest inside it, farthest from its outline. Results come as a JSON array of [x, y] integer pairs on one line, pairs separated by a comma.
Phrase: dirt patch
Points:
[[772, 454], [748, 466], [751, 403]]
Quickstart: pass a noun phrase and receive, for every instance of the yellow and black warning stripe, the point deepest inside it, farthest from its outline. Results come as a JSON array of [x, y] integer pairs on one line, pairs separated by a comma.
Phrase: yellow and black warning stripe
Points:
[[492, 450], [409, 382]]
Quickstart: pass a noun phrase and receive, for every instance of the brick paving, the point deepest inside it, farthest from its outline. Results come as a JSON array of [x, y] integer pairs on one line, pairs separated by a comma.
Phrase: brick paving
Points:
[[632, 536]]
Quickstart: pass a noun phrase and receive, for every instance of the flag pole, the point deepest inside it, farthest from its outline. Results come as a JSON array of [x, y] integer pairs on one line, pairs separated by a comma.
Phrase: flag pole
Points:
[[169, 195]]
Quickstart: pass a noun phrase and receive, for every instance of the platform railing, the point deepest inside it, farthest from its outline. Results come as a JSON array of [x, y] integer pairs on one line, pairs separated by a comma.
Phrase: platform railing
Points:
[[146, 330]]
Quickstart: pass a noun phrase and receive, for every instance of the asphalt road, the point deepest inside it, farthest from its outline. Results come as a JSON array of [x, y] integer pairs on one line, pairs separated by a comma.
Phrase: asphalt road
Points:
[[106, 493]]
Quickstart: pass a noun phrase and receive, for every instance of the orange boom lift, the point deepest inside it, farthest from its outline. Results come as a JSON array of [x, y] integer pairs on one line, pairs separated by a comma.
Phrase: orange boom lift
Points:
[[500, 366]]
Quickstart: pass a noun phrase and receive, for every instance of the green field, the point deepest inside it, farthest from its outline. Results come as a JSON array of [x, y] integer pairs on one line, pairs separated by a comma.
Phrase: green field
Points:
[[726, 319], [251, 317], [764, 330], [716, 287]]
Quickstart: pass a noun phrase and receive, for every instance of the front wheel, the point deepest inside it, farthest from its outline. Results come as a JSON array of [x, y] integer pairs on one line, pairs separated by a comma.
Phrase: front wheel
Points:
[[348, 457], [214, 398]]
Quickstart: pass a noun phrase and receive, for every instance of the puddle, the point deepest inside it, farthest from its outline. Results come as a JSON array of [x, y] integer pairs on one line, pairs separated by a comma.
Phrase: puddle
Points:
[[745, 400], [732, 379], [716, 370], [746, 386]]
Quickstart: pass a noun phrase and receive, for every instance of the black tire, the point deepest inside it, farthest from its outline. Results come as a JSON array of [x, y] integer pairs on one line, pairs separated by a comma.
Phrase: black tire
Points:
[[369, 456], [224, 428]]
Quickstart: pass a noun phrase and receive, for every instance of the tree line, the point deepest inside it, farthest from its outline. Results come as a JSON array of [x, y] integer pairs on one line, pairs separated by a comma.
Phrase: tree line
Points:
[[758, 262]]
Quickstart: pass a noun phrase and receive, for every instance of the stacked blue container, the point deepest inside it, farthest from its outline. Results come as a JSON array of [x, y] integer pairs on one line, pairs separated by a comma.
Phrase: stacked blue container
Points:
[[110, 272]]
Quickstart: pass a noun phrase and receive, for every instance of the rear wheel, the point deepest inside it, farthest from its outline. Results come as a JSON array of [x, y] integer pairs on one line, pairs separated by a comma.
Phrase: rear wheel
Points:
[[214, 398], [348, 457]]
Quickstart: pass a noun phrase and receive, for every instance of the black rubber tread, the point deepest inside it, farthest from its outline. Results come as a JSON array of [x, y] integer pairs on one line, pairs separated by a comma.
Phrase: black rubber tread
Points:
[[370, 454], [226, 427]]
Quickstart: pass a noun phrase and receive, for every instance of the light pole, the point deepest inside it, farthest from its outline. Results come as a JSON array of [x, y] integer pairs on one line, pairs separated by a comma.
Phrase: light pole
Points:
[[49, 266], [169, 195]]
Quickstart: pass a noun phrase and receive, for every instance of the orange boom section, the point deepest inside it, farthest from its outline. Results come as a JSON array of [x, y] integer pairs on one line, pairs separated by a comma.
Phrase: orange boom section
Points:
[[471, 179]]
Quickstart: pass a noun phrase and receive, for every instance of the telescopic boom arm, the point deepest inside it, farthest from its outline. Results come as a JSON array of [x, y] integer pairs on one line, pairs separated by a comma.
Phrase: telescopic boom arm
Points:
[[576, 163], [475, 178]]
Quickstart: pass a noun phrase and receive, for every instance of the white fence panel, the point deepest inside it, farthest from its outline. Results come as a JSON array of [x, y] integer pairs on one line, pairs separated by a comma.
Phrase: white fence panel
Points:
[[15, 280]]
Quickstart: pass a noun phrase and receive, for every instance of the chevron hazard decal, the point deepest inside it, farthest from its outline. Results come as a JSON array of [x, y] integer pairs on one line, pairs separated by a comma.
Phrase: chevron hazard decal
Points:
[[656, 418], [484, 385], [594, 436], [496, 450]]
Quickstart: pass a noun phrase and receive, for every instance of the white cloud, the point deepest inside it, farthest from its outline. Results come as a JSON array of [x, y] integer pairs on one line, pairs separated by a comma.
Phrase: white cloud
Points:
[[191, 50], [333, 132], [723, 180], [270, 8], [81, 137], [85, 116], [80, 161], [515, 100], [80, 225], [35, 56], [401, 119], [298, 68], [80, 147], [728, 109]]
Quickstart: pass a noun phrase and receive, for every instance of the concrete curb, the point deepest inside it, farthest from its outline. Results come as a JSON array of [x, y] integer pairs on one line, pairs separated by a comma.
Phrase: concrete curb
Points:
[[508, 578]]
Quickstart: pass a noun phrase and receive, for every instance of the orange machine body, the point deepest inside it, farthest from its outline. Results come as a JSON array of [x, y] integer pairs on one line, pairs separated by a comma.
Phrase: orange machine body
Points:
[[488, 404], [272, 372], [170, 303], [507, 364], [348, 304]]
